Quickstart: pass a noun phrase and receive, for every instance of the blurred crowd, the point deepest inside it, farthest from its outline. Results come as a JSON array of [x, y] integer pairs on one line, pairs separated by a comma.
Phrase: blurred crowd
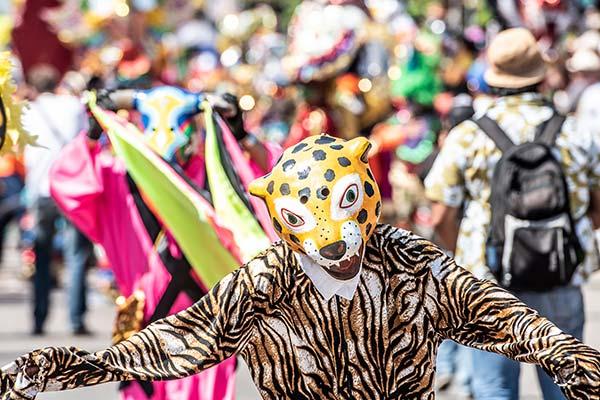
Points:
[[402, 73]]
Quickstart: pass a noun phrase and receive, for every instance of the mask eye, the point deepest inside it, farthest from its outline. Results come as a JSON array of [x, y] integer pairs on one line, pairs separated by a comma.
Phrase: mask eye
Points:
[[350, 196], [292, 219]]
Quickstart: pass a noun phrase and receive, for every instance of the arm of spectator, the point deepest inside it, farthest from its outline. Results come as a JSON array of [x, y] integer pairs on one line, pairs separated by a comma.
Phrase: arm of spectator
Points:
[[445, 185], [445, 223], [594, 211], [175, 347]]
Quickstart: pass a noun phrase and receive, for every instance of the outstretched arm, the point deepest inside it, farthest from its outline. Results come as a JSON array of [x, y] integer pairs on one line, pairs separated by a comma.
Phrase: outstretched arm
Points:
[[482, 315], [178, 346]]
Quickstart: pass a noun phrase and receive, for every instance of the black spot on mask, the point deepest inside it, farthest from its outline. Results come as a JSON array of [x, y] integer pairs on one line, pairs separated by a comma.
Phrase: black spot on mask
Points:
[[303, 174], [304, 195], [299, 147], [323, 192], [362, 216], [270, 187], [344, 162], [289, 164], [329, 175], [369, 189], [319, 155], [324, 140]]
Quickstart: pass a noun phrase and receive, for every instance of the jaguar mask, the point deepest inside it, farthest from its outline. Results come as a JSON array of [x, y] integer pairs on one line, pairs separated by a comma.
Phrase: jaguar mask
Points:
[[323, 201]]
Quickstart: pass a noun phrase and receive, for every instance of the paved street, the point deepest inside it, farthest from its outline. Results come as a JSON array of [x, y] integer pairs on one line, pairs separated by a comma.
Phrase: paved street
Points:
[[15, 339]]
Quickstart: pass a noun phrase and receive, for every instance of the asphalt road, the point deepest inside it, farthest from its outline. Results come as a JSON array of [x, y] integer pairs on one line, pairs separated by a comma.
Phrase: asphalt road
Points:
[[15, 319]]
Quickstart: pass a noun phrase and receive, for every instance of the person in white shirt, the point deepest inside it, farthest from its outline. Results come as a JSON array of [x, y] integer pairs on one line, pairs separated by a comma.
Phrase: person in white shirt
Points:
[[55, 119]]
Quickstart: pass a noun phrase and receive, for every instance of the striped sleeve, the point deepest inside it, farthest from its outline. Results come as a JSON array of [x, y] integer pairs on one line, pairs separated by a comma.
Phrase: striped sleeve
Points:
[[178, 346], [487, 317]]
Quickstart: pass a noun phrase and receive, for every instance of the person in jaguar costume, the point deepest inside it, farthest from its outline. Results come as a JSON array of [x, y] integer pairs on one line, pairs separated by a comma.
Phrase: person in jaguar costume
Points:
[[341, 307]]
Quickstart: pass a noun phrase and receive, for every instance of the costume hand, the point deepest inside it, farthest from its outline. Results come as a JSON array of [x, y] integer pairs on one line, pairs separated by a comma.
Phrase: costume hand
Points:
[[229, 108], [16, 381], [95, 130], [104, 100]]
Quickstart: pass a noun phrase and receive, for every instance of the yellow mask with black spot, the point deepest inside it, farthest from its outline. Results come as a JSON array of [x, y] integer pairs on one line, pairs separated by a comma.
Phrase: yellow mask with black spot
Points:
[[324, 201]]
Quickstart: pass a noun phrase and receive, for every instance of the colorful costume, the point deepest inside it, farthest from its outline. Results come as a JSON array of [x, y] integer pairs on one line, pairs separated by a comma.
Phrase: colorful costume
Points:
[[336, 53], [13, 138], [342, 308], [93, 190], [98, 194]]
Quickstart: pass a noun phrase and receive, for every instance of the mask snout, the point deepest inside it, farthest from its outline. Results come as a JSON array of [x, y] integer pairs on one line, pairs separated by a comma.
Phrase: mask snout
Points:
[[334, 251]]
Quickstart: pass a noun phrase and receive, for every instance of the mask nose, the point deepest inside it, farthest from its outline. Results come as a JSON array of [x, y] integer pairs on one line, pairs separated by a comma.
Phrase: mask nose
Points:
[[334, 251]]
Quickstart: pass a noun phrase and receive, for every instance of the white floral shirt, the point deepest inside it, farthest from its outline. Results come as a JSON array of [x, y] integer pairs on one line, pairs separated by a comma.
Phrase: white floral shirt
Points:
[[462, 173]]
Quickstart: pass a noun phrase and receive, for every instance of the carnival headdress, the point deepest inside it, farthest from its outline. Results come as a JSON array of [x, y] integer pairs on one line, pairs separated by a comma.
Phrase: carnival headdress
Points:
[[13, 137], [323, 40]]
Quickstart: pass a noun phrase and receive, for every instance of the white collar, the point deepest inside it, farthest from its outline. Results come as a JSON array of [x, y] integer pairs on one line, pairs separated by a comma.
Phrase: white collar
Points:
[[326, 284]]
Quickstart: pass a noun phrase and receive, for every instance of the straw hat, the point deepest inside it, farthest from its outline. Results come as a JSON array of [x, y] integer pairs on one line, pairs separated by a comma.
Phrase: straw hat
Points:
[[584, 60], [515, 60]]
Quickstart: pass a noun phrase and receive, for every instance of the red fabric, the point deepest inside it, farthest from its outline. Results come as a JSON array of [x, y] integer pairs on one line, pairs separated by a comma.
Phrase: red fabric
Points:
[[380, 165], [35, 43], [301, 128]]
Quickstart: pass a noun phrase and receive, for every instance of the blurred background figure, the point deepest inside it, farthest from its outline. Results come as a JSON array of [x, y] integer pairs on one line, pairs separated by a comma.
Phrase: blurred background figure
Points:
[[467, 174], [12, 181], [55, 119], [584, 71]]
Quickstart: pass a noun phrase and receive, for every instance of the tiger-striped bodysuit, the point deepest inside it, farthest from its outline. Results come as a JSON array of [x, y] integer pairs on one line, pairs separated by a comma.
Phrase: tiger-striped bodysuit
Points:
[[379, 345]]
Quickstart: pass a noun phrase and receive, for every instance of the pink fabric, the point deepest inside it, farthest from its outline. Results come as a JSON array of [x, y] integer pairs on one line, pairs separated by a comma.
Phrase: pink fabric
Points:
[[90, 186], [191, 388]]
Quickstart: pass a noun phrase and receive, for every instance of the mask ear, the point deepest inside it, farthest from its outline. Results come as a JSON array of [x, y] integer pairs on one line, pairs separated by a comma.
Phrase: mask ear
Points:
[[360, 147], [258, 187]]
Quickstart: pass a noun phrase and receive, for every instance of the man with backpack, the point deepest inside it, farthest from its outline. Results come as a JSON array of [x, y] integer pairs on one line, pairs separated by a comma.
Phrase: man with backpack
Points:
[[530, 185]]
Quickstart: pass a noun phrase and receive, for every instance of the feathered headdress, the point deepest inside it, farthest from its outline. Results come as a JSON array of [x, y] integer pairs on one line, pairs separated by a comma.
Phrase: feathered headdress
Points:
[[13, 137]]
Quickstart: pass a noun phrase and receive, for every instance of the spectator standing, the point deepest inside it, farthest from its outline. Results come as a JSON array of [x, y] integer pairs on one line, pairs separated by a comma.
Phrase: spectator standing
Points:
[[464, 170], [11, 185], [587, 112], [453, 363], [584, 71], [55, 119]]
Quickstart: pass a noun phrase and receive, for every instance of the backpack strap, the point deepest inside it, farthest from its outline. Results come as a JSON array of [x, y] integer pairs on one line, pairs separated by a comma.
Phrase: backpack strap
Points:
[[494, 132], [550, 130]]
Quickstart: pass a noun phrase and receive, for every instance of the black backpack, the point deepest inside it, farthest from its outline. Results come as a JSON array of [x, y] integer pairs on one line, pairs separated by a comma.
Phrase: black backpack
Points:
[[532, 243]]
